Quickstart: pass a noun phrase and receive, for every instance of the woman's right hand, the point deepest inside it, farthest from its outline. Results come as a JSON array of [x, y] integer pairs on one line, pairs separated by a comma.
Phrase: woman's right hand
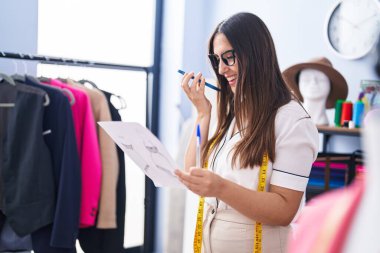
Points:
[[196, 92]]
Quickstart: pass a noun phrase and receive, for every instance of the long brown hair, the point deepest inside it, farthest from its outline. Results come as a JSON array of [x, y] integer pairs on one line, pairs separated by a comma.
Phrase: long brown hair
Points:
[[260, 90]]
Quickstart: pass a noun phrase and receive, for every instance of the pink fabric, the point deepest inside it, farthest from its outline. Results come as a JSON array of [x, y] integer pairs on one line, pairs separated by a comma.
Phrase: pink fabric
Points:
[[89, 153], [360, 169], [325, 221], [338, 165], [333, 165]]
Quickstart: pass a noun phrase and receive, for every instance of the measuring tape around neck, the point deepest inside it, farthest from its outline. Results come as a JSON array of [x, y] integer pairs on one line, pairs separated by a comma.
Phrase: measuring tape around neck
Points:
[[197, 244]]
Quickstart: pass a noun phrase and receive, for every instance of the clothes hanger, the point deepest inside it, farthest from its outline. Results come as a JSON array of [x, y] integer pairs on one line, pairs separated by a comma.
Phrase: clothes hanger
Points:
[[63, 80], [16, 74], [83, 81], [123, 103], [70, 95], [17, 77], [47, 100], [44, 79], [67, 91], [8, 79], [21, 78]]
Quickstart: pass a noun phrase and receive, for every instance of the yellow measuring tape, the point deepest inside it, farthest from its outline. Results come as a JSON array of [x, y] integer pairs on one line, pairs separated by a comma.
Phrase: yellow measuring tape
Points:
[[198, 228], [197, 245], [257, 245], [258, 227]]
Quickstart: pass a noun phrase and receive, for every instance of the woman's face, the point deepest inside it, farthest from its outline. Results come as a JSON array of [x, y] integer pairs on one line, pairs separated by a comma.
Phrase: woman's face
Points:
[[221, 48]]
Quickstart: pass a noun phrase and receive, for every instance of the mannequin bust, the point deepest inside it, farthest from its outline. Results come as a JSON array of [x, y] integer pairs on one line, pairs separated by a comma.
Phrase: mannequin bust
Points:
[[314, 87], [318, 85]]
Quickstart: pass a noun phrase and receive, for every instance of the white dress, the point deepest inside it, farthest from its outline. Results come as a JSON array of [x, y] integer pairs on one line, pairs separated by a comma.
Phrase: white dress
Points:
[[226, 230]]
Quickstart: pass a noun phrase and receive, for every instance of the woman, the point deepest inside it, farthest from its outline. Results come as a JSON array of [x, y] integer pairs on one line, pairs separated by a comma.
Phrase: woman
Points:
[[257, 117]]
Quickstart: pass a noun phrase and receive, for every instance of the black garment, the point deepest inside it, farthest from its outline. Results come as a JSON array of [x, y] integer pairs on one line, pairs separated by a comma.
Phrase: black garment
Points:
[[61, 141], [7, 100], [93, 240], [11, 242], [28, 183], [41, 239], [2, 221]]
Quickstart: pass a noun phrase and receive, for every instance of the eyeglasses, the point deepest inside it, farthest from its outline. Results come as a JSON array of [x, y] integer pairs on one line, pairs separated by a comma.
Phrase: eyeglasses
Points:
[[228, 58]]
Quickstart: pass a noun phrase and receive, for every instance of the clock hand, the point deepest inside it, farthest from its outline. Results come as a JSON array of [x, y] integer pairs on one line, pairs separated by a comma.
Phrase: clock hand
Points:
[[366, 19], [348, 21]]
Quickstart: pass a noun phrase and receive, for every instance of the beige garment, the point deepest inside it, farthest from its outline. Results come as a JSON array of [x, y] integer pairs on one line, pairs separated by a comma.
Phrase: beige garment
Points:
[[226, 231], [110, 162]]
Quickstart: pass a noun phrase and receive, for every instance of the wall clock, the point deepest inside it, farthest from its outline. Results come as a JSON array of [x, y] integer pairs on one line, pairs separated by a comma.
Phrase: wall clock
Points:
[[353, 27]]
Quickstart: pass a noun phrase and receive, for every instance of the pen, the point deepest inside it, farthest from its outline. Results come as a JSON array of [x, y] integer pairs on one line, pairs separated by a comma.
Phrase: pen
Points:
[[207, 84], [198, 148]]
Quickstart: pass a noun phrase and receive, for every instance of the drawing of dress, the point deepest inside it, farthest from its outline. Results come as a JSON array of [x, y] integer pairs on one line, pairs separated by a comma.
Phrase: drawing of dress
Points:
[[158, 158]]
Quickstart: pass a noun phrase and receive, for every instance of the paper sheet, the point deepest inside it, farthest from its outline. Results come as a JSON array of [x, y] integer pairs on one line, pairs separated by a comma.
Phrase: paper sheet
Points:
[[145, 150]]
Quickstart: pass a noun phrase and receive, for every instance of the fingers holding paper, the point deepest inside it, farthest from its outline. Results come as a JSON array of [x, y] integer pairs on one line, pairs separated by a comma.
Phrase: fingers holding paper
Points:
[[200, 181]]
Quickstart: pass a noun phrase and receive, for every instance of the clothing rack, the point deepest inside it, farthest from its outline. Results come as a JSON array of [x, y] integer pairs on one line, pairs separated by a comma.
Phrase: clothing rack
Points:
[[351, 159], [152, 95], [72, 62], [80, 63]]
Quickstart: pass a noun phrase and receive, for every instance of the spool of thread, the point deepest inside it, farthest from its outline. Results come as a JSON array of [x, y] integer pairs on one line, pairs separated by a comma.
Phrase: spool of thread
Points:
[[338, 112], [346, 112], [358, 113]]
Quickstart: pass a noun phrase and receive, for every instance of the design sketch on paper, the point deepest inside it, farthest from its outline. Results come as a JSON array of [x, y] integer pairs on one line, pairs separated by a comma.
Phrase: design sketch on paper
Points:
[[141, 159], [160, 161], [145, 150]]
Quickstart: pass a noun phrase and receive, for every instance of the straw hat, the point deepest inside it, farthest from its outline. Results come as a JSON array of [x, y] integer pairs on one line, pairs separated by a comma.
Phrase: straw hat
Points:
[[338, 89]]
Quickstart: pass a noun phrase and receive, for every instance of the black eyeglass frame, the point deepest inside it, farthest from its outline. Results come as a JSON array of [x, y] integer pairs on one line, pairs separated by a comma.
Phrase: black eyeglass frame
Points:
[[215, 59]]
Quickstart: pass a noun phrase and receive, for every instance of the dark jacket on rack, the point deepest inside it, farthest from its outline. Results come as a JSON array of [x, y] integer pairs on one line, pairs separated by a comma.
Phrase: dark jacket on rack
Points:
[[66, 170], [27, 178], [6, 101]]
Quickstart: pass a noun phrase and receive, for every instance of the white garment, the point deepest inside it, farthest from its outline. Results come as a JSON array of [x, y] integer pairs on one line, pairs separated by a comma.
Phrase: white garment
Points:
[[226, 231], [296, 149]]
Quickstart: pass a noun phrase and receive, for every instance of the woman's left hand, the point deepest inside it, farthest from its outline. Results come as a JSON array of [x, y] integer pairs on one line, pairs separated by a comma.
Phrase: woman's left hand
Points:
[[201, 181]]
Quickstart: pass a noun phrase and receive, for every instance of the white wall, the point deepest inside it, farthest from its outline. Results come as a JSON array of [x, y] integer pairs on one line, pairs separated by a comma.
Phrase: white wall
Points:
[[18, 33]]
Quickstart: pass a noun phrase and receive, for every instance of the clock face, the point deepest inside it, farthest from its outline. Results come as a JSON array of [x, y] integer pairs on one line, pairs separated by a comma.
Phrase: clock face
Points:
[[353, 27]]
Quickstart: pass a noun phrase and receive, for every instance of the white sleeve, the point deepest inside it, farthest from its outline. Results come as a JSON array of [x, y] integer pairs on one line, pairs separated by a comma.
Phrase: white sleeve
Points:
[[296, 149]]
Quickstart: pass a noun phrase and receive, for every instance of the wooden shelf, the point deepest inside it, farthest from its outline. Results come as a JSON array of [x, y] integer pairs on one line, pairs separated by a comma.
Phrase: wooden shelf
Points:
[[327, 132], [331, 130]]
